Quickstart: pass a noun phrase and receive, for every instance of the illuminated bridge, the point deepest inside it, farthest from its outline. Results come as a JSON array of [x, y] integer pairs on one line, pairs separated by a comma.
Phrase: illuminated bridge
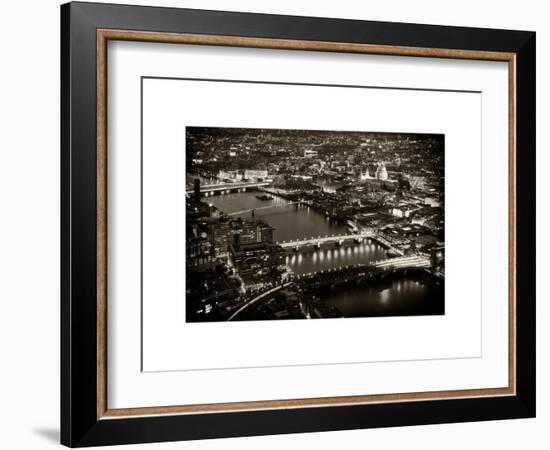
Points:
[[316, 242], [344, 274], [228, 187], [412, 261], [262, 208], [335, 238]]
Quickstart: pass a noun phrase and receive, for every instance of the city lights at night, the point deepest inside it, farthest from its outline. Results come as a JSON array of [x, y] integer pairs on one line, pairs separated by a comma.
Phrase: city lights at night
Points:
[[299, 224]]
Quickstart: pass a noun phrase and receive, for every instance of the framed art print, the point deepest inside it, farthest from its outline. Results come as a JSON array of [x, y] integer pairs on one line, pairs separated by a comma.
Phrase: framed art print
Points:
[[276, 224]]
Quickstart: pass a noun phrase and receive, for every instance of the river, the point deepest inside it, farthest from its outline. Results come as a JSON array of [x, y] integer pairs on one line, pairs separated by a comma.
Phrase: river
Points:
[[409, 295], [413, 294], [290, 222]]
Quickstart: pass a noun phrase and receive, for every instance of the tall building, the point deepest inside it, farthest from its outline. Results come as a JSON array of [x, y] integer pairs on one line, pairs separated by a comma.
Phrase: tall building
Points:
[[221, 236], [265, 233], [245, 232]]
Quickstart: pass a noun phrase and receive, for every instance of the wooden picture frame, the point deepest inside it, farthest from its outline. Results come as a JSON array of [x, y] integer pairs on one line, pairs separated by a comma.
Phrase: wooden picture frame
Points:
[[86, 418]]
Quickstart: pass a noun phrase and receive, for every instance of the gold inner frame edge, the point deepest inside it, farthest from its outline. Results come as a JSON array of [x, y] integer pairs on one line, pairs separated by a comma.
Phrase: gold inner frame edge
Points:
[[103, 36]]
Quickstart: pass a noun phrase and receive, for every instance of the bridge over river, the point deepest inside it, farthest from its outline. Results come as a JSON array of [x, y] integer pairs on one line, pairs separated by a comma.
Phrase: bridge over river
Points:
[[342, 274], [339, 239], [384, 265], [229, 187], [263, 208]]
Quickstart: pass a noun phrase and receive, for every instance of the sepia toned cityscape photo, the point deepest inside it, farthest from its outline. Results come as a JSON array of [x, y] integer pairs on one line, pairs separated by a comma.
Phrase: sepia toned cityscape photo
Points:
[[302, 224]]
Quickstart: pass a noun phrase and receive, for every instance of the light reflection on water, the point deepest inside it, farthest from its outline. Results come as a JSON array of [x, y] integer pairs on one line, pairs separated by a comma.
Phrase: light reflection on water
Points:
[[309, 260], [394, 297]]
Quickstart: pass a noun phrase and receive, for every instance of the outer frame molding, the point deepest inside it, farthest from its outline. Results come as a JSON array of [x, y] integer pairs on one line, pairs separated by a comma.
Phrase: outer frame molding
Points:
[[103, 36], [85, 419]]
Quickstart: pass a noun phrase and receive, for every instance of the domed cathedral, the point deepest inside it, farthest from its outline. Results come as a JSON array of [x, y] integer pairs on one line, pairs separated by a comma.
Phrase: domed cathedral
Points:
[[364, 175], [381, 172]]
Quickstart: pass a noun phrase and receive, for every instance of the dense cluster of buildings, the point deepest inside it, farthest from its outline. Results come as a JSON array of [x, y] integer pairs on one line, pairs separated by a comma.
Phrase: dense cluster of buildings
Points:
[[390, 183], [227, 258]]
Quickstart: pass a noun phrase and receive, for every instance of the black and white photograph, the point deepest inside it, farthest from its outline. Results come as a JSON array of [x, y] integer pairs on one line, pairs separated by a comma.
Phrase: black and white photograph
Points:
[[288, 224], [275, 225]]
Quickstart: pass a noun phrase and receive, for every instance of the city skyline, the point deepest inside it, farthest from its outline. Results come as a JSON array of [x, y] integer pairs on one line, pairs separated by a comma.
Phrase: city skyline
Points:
[[299, 224]]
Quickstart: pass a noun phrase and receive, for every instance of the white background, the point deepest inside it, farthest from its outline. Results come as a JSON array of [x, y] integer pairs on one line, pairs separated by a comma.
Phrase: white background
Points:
[[29, 242]]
